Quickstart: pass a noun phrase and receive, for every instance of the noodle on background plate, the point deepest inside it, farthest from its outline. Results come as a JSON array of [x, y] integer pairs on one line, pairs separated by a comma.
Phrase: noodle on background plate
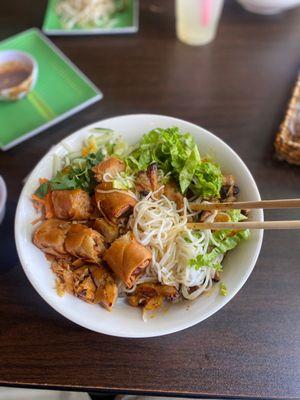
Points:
[[86, 12]]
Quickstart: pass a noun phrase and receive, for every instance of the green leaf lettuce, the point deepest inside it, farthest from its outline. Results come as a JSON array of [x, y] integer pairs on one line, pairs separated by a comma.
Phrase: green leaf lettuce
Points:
[[178, 155]]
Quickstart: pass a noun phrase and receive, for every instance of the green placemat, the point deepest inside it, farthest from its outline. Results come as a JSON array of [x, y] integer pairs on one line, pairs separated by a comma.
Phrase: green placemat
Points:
[[60, 91], [124, 21]]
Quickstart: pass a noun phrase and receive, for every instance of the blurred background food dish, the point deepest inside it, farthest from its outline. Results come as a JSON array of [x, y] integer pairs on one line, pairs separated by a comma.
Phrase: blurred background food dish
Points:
[[287, 142], [18, 74], [84, 17], [60, 91], [268, 6]]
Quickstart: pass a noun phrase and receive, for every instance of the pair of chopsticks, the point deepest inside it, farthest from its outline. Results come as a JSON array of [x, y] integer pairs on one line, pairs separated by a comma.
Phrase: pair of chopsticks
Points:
[[246, 205]]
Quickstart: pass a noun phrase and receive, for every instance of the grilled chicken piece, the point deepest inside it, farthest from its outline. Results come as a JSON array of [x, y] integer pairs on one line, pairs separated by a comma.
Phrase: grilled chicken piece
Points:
[[147, 181], [83, 284], [111, 165], [170, 293], [90, 282], [171, 191], [64, 276], [222, 217], [142, 183], [86, 290], [71, 204], [228, 180], [204, 215], [84, 242], [50, 237], [151, 295], [229, 190], [108, 231], [94, 284], [113, 204], [106, 289], [127, 258], [153, 176]]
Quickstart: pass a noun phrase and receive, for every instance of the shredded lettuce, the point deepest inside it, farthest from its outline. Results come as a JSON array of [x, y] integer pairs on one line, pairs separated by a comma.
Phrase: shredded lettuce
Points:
[[178, 155], [222, 241], [120, 148], [106, 140], [188, 171], [236, 215], [124, 181], [207, 180]]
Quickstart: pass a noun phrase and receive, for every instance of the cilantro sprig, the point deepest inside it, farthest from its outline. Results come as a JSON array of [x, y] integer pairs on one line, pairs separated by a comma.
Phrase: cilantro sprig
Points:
[[77, 175]]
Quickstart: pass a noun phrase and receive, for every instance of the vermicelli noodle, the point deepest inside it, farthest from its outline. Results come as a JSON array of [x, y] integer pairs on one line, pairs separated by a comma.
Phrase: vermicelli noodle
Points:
[[158, 224]]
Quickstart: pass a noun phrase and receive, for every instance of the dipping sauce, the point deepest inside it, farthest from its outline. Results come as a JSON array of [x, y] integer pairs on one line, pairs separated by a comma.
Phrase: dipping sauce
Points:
[[12, 74]]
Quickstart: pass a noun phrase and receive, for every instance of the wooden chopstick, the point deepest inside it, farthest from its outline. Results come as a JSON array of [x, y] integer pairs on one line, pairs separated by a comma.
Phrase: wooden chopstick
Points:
[[245, 205], [244, 225]]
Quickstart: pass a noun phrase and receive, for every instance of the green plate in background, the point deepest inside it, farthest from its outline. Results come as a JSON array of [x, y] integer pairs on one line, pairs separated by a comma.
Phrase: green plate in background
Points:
[[125, 21], [60, 91]]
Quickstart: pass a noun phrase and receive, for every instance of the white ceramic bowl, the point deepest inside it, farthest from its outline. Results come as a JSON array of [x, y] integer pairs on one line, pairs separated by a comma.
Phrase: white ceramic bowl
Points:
[[268, 7], [23, 88], [124, 320], [3, 197]]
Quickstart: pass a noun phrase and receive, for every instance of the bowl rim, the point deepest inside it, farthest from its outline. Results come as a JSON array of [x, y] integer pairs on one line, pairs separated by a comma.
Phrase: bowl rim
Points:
[[3, 197], [117, 332]]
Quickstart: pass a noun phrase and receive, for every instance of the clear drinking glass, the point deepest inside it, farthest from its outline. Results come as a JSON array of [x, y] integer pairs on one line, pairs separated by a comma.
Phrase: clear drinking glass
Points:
[[197, 20]]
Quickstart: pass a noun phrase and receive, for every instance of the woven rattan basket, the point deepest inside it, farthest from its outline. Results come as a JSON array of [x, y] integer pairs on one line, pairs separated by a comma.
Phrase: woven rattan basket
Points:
[[287, 143]]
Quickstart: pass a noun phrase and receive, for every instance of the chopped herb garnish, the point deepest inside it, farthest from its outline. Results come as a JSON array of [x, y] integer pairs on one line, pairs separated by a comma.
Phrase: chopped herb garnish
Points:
[[42, 190], [223, 289], [77, 175]]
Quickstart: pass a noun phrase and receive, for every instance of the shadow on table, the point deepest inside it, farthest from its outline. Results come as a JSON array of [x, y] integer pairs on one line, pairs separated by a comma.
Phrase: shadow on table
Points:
[[8, 251]]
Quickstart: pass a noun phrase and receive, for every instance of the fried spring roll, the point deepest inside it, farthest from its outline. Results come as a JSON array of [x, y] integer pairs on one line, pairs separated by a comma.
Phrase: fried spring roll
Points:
[[107, 292], [127, 258], [109, 231], [50, 237], [111, 165], [84, 242], [113, 204], [71, 204]]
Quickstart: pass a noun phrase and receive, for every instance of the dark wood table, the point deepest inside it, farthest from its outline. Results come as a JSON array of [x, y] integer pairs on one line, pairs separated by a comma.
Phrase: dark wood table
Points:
[[238, 88]]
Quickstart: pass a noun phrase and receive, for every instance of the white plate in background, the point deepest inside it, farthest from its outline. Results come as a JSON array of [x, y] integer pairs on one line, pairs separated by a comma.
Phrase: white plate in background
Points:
[[268, 7]]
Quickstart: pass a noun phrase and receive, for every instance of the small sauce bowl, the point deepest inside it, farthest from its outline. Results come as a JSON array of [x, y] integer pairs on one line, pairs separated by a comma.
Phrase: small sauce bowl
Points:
[[3, 197], [18, 74]]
